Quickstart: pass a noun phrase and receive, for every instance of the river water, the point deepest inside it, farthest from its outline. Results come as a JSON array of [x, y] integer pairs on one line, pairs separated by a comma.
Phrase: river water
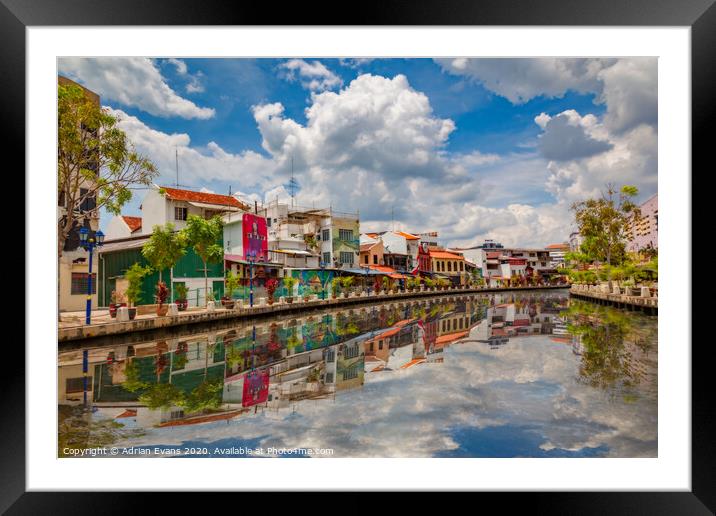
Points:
[[528, 374]]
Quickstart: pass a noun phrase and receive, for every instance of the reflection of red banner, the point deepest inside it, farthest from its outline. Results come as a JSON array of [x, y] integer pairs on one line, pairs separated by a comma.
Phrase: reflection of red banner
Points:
[[254, 237], [256, 386]]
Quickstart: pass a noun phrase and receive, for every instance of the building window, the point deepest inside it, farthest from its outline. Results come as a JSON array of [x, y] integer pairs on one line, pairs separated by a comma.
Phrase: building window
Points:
[[380, 344], [449, 266], [179, 213], [329, 377], [88, 203], [327, 258], [347, 257], [79, 283], [326, 235], [345, 234], [371, 346], [350, 373], [375, 259], [365, 259], [268, 222], [73, 385], [351, 351]]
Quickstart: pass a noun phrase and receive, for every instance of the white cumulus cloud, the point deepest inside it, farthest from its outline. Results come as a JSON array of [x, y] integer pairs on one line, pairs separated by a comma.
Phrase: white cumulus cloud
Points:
[[132, 81], [314, 76]]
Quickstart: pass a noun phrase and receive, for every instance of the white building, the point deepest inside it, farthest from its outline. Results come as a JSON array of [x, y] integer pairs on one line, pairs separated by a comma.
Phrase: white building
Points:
[[301, 237], [557, 253], [163, 204]]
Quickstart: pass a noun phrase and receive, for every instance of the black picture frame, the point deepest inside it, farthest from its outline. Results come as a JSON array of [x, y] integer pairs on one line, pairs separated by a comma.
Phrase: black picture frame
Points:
[[700, 15]]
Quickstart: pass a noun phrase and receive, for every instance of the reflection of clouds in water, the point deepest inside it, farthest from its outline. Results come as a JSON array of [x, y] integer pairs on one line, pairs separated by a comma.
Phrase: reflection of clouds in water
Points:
[[529, 382]]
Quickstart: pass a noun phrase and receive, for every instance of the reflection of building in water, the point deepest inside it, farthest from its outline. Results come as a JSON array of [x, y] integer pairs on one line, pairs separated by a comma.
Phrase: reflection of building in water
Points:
[[282, 363], [510, 316]]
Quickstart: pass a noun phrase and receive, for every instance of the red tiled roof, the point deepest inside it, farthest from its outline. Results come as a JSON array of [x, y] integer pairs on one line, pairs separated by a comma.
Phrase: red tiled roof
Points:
[[445, 255], [367, 247], [133, 223], [450, 337], [408, 236], [208, 198], [127, 413], [203, 419], [557, 246], [492, 256]]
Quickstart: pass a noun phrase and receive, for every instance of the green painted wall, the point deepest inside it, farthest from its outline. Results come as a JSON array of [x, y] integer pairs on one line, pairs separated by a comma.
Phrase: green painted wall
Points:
[[115, 264]]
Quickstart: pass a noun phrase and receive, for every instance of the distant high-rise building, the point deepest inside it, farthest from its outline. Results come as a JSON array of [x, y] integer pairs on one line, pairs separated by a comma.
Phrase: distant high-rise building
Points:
[[644, 231]]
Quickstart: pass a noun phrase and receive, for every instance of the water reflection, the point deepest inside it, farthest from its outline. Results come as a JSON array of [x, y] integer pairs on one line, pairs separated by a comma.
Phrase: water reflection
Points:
[[482, 375]]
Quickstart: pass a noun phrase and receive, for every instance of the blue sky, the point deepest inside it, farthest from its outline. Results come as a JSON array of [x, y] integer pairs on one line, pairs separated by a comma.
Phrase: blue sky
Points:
[[501, 146]]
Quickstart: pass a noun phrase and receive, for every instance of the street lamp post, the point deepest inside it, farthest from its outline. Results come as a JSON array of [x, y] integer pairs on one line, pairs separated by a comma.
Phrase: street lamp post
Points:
[[252, 256], [89, 244], [323, 280]]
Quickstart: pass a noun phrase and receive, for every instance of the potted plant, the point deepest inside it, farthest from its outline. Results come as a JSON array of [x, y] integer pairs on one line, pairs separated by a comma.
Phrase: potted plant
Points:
[[384, 284], [134, 276], [346, 283], [271, 286], [231, 283], [117, 299], [306, 295], [181, 300], [335, 287], [161, 293], [289, 282]]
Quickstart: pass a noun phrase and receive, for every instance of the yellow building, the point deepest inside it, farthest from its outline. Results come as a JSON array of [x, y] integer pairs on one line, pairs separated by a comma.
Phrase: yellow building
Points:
[[451, 265]]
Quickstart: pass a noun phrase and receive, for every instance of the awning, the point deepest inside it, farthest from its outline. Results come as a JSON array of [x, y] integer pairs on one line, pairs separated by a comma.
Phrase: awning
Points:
[[237, 258], [364, 272], [217, 207], [298, 252], [109, 247]]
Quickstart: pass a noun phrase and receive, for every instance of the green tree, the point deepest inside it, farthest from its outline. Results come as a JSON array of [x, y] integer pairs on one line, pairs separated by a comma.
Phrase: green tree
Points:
[[604, 222], [96, 165], [164, 248], [162, 395], [133, 382], [207, 395], [203, 236], [134, 277]]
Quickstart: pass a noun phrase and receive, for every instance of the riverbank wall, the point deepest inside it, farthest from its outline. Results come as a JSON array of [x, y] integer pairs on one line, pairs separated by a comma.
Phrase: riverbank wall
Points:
[[646, 304], [76, 335]]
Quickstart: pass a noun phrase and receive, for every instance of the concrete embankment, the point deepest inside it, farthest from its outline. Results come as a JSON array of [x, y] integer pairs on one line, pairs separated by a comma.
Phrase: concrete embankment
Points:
[[644, 303], [139, 329]]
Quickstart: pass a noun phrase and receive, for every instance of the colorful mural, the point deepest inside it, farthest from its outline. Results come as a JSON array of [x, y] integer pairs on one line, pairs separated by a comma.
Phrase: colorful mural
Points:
[[309, 281], [255, 237]]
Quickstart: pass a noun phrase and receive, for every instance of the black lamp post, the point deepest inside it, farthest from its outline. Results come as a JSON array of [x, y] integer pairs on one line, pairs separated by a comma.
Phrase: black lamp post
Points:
[[89, 244], [252, 257], [323, 280]]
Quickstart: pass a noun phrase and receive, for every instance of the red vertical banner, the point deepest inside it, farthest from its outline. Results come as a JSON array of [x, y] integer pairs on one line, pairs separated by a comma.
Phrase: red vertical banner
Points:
[[255, 237], [256, 387]]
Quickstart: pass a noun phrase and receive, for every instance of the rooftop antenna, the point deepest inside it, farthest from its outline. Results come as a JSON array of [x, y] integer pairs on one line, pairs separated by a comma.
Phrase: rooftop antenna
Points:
[[292, 186], [176, 158]]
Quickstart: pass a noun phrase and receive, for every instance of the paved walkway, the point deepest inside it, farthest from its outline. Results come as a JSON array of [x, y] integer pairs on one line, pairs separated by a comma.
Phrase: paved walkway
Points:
[[100, 317]]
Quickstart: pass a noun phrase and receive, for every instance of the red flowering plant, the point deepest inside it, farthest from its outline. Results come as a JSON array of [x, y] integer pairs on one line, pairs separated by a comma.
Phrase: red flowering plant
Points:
[[271, 286], [161, 293]]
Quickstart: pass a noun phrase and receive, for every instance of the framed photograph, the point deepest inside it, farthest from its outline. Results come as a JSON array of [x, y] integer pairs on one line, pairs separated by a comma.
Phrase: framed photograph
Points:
[[417, 250]]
